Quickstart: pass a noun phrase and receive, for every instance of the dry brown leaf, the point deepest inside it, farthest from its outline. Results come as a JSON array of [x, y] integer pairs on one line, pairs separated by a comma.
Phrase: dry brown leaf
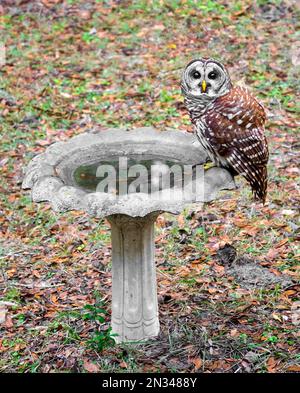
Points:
[[9, 322], [90, 367], [53, 298], [183, 271], [234, 332], [277, 317], [295, 368], [197, 362], [281, 243], [181, 220], [249, 230], [240, 222], [272, 363]]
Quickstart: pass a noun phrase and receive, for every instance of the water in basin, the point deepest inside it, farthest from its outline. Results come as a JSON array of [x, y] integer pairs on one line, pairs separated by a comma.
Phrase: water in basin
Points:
[[125, 175]]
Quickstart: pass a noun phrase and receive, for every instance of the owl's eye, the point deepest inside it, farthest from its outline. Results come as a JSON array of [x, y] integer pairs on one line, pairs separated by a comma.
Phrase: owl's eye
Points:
[[212, 75], [196, 75]]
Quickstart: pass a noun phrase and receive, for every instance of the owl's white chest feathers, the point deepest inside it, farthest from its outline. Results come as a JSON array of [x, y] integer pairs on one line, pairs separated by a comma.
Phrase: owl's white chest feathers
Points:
[[200, 128], [197, 110], [200, 132]]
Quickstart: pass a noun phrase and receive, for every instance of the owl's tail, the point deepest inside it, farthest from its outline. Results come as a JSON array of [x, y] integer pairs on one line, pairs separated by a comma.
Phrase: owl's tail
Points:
[[256, 176], [259, 182]]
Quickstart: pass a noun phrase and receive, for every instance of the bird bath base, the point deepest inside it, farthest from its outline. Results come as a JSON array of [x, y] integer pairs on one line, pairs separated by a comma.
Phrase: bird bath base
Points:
[[66, 175], [134, 293]]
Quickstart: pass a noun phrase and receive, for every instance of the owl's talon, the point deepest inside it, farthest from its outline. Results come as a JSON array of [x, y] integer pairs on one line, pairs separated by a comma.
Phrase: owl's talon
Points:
[[208, 165]]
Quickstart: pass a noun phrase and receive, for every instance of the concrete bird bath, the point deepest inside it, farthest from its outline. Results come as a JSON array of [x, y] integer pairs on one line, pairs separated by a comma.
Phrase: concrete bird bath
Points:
[[98, 173]]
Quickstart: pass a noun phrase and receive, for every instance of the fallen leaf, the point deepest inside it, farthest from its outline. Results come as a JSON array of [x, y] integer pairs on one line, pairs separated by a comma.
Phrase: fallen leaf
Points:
[[281, 243], [277, 317], [183, 271], [272, 363], [181, 220], [197, 363], [53, 298], [90, 367], [234, 332], [240, 222], [295, 368], [9, 322], [249, 230]]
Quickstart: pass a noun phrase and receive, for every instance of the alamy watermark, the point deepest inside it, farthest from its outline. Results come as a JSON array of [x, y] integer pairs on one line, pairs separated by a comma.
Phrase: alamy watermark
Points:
[[157, 178]]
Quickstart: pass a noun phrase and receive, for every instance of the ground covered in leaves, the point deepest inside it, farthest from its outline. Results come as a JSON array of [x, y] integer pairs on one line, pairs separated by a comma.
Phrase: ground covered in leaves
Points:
[[228, 273]]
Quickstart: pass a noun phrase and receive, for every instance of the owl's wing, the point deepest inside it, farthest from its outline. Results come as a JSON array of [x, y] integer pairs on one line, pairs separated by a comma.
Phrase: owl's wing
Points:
[[240, 105], [236, 122], [235, 131]]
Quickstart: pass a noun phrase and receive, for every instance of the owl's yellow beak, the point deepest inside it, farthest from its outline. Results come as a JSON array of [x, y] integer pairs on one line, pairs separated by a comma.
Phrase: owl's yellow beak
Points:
[[203, 86]]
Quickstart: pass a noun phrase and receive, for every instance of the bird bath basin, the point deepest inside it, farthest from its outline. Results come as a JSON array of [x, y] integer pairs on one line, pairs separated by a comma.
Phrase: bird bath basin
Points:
[[130, 177]]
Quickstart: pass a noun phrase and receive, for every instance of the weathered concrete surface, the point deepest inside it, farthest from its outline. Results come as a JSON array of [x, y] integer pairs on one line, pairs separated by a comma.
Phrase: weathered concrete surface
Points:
[[134, 293], [50, 175], [51, 178]]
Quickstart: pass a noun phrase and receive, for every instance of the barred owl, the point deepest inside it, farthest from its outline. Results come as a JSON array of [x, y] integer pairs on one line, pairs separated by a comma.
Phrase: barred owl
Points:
[[228, 121]]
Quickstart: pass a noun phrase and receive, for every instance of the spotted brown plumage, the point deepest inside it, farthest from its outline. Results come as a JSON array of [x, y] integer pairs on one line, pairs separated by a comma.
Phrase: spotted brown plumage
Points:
[[229, 123], [234, 128]]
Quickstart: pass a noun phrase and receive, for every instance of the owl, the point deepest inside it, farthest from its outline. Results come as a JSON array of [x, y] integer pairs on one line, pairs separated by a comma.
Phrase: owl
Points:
[[229, 122]]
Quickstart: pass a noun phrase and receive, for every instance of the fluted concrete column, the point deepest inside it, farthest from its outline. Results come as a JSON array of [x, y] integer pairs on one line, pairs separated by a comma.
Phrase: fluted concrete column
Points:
[[134, 291]]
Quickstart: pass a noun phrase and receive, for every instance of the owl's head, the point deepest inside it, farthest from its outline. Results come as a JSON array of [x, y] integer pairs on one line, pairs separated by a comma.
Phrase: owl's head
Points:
[[205, 79]]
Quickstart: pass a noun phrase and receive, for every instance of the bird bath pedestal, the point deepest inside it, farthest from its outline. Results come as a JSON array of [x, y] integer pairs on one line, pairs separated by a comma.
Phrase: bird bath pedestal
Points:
[[124, 176], [134, 294]]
